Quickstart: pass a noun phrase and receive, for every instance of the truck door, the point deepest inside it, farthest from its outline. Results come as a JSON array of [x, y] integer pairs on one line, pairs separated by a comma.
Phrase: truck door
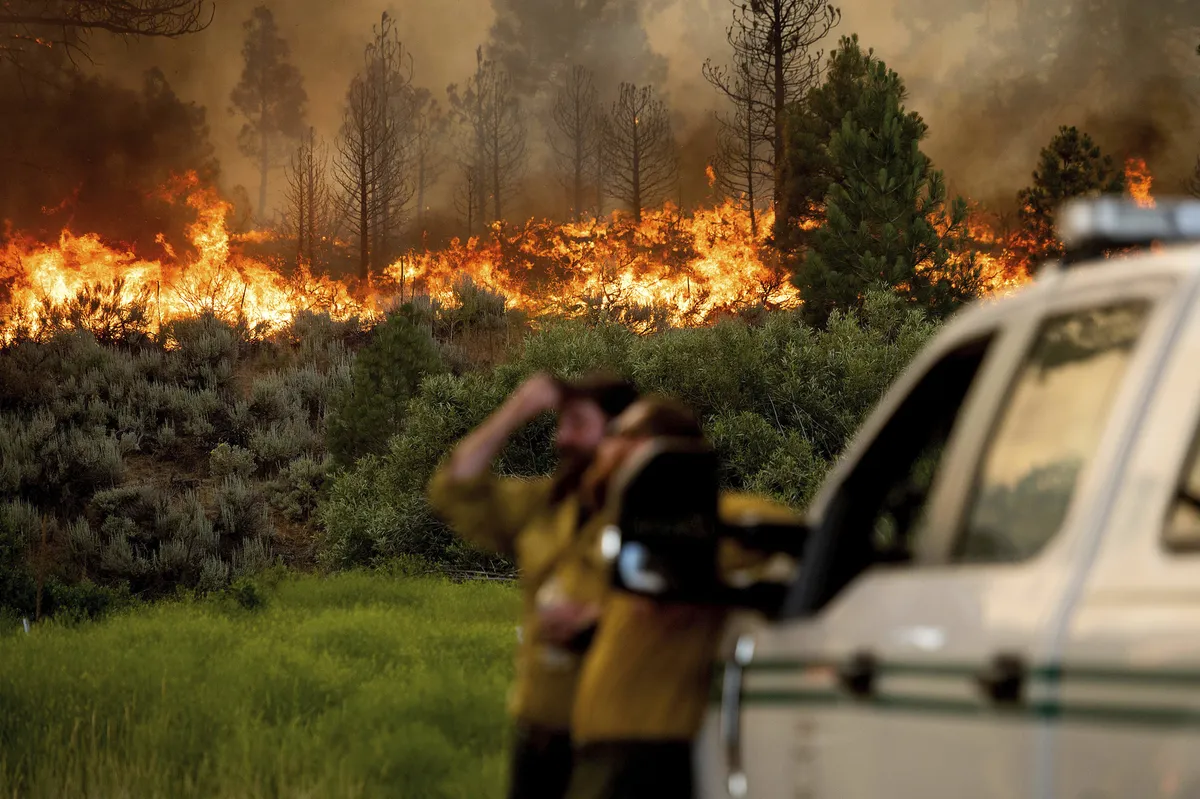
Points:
[[943, 548], [1128, 702]]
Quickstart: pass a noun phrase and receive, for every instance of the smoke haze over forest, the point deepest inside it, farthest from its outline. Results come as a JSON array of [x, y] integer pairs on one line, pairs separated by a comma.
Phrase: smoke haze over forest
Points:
[[993, 78]]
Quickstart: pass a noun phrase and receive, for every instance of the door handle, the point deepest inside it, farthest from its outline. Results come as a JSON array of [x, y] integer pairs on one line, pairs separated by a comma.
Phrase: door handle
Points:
[[1003, 680], [731, 714], [857, 675]]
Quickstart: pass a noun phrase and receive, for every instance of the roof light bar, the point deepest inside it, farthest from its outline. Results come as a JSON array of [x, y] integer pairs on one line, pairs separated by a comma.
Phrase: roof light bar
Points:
[[1121, 222]]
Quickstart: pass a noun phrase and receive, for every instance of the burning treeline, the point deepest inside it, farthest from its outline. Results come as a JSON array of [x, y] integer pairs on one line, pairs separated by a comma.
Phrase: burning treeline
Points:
[[362, 203], [672, 268]]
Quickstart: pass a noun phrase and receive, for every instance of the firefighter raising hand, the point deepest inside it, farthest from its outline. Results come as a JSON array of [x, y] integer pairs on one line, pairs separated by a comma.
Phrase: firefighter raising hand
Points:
[[539, 393]]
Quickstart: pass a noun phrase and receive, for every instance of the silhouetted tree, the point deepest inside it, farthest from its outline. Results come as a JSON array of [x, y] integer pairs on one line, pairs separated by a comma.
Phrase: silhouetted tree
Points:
[[489, 113], [430, 126], [270, 97], [639, 149], [575, 136], [1071, 165], [467, 196], [372, 168], [309, 201], [742, 164], [390, 68], [536, 42], [772, 43], [96, 155]]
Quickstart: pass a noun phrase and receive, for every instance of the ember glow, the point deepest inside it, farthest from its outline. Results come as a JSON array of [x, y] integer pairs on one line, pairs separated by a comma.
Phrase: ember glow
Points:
[[1137, 182], [681, 268]]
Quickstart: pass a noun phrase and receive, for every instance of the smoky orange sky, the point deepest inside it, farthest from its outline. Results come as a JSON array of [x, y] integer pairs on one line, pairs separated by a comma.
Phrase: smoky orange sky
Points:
[[950, 74]]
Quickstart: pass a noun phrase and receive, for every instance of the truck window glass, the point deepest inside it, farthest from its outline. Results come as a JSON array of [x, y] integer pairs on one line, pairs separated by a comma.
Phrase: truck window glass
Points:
[[1050, 426], [1182, 532], [878, 511]]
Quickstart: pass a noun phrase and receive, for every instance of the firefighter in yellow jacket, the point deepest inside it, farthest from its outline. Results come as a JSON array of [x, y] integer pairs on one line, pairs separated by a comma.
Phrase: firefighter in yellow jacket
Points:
[[536, 522], [645, 683]]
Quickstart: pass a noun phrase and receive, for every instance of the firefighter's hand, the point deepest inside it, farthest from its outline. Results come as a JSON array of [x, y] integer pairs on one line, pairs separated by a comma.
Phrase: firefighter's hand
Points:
[[560, 622], [539, 393]]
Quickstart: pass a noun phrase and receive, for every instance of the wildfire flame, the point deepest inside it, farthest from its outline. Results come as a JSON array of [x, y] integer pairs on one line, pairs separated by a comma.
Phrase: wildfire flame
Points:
[[691, 267], [677, 268], [218, 279], [1137, 182]]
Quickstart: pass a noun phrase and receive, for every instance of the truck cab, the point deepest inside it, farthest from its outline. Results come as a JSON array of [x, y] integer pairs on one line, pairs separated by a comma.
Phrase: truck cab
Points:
[[999, 594]]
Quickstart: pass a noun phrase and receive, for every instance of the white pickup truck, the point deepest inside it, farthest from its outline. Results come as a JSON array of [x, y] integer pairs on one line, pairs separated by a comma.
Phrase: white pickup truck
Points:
[[1000, 592]]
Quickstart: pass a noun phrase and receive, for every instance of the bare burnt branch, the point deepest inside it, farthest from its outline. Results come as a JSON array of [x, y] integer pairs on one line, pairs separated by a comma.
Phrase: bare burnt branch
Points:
[[640, 149], [166, 18], [492, 138], [575, 136], [773, 45]]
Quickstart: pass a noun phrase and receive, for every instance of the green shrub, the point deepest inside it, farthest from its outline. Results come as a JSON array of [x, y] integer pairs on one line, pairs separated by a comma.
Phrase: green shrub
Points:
[[373, 514], [252, 557], [271, 399], [84, 600], [205, 352], [241, 511], [76, 463], [779, 401], [19, 524], [296, 491], [285, 441], [227, 460], [214, 574], [247, 594], [386, 374], [745, 443]]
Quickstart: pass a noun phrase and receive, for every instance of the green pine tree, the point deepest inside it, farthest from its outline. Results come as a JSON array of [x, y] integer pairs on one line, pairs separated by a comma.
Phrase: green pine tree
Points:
[[386, 375], [1071, 165], [807, 168], [887, 220]]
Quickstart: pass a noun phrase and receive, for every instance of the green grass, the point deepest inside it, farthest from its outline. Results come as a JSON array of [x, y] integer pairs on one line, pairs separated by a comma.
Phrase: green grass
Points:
[[351, 685]]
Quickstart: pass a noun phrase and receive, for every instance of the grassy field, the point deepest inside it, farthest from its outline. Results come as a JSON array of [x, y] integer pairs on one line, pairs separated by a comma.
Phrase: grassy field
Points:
[[351, 685]]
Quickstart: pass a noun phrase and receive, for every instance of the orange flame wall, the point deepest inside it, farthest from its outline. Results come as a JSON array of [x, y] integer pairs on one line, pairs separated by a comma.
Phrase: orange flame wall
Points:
[[692, 268]]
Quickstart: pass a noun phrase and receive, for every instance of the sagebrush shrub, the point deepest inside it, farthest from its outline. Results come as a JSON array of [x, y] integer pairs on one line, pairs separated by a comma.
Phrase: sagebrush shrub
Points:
[[230, 460], [139, 504], [241, 510], [296, 491], [205, 350], [214, 574], [285, 441]]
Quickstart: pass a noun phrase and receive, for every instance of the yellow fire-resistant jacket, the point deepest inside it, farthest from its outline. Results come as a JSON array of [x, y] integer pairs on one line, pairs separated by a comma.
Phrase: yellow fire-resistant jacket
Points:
[[647, 675], [514, 517]]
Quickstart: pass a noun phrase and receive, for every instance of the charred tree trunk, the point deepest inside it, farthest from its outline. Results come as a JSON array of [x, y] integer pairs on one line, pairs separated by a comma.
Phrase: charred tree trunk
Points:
[[750, 193], [496, 171], [364, 220], [636, 183], [577, 199], [779, 65]]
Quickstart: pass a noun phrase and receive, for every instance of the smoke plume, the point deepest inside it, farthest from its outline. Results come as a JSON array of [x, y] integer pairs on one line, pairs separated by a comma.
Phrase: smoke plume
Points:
[[993, 78]]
